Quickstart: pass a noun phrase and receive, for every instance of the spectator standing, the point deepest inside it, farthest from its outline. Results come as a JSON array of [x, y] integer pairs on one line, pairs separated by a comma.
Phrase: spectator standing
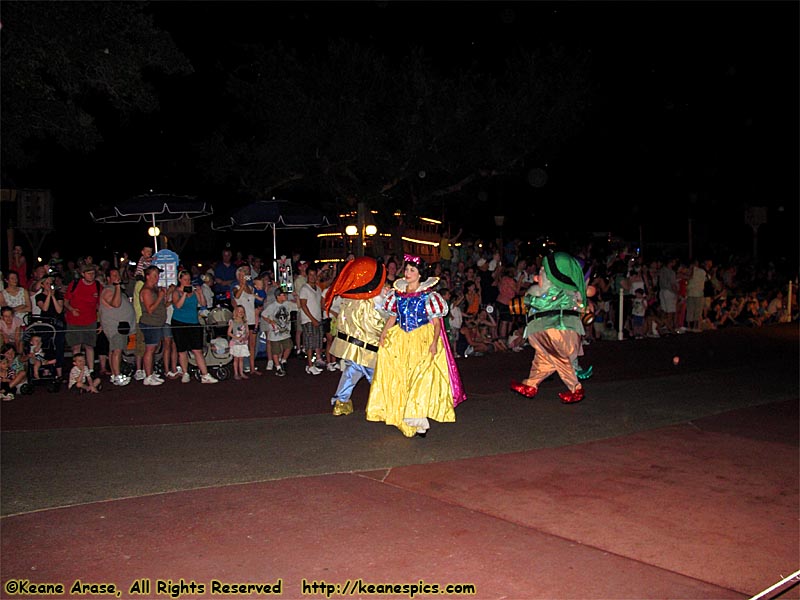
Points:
[[391, 271], [310, 321], [445, 253], [638, 312], [34, 286], [50, 302], [507, 289], [243, 294], [238, 339], [680, 310], [18, 264], [117, 318], [151, 323], [667, 293], [224, 274], [80, 303], [487, 283], [186, 329], [694, 296], [710, 288], [278, 317], [299, 282]]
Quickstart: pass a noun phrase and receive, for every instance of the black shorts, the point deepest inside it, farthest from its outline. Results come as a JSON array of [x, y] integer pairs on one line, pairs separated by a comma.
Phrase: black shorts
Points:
[[188, 336], [504, 313]]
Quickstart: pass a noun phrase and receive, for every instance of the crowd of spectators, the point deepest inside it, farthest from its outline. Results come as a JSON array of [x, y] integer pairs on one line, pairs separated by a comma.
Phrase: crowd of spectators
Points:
[[661, 295]]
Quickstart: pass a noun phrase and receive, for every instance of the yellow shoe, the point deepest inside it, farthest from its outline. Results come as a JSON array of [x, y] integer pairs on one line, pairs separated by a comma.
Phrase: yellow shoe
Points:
[[343, 408]]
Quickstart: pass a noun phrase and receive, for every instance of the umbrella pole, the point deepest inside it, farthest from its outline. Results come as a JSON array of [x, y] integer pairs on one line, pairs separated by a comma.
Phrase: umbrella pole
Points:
[[155, 236], [274, 254]]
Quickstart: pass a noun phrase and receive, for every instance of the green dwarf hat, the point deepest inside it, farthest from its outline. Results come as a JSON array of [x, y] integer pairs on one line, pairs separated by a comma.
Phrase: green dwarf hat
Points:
[[565, 272]]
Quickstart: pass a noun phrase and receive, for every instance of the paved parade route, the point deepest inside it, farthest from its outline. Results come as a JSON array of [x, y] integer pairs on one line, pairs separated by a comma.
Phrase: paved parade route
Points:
[[664, 483]]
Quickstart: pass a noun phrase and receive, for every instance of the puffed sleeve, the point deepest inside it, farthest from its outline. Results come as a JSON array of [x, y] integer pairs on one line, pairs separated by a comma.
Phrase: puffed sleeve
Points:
[[390, 304], [436, 306]]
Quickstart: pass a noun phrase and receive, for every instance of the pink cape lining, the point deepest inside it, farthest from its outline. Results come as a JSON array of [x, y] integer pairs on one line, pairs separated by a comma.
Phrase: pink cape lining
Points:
[[455, 379]]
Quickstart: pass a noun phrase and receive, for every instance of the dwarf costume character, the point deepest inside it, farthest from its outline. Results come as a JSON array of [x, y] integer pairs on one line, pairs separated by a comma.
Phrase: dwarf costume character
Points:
[[554, 330], [358, 326]]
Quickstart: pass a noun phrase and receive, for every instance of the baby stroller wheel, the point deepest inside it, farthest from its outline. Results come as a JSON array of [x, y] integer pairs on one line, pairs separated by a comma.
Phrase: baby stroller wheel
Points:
[[26, 389], [222, 373]]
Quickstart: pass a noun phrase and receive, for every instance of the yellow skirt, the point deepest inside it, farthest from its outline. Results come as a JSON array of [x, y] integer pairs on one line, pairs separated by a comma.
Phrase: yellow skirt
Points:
[[409, 382]]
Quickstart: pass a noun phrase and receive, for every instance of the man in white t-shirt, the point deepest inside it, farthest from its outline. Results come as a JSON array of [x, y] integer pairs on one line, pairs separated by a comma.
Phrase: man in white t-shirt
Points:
[[310, 304], [298, 283]]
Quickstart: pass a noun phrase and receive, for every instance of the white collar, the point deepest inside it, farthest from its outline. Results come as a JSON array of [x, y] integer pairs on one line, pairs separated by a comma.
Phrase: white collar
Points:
[[401, 284]]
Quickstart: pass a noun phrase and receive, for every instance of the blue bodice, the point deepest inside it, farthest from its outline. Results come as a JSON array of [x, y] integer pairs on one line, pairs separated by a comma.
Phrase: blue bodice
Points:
[[411, 311]]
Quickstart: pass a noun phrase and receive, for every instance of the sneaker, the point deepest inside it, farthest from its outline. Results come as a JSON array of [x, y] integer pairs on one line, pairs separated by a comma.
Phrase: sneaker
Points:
[[333, 366], [6, 397], [283, 361], [312, 370], [280, 372], [321, 364], [208, 378], [120, 380], [157, 377], [270, 365], [152, 381], [139, 375], [172, 374], [186, 378]]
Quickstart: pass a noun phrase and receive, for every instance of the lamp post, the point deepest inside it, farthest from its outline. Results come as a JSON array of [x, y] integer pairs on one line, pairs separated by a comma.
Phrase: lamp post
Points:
[[361, 230]]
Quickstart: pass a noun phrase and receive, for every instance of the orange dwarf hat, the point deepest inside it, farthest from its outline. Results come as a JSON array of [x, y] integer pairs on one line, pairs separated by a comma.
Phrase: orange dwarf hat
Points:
[[360, 279]]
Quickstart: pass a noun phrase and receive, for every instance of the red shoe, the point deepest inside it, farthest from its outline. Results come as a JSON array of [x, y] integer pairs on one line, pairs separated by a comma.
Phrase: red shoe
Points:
[[571, 397], [528, 391]]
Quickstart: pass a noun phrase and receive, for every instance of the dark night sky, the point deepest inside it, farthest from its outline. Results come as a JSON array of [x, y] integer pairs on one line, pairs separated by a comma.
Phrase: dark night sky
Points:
[[696, 111]]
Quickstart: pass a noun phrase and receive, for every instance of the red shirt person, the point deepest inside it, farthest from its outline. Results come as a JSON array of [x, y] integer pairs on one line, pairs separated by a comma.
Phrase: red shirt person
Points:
[[80, 308]]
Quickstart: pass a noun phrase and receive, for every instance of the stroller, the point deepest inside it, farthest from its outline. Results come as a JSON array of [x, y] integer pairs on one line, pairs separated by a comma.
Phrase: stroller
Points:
[[215, 344], [46, 330]]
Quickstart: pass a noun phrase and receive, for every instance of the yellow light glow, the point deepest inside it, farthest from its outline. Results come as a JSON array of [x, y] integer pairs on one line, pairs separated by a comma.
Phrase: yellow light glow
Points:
[[153, 231], [430, 220], [351, 230], [371, 230], [425, 242]]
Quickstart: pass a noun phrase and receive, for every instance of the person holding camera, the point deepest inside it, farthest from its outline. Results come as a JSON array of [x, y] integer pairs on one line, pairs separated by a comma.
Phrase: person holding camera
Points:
[[50, 301], [244, 294], [116, 318], [186, 329]]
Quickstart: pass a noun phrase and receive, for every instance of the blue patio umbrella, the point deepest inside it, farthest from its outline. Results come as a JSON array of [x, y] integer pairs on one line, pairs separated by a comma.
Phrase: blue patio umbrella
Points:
[[148, 208], [273, 214]]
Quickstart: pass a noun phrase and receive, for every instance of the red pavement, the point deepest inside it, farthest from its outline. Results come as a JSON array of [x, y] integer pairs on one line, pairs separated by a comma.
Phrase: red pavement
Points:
[[707, 509]]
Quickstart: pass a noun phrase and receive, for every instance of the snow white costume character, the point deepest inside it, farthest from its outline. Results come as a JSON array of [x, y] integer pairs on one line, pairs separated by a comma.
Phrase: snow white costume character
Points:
[[358, 326], [416, 377], [554, 330]]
